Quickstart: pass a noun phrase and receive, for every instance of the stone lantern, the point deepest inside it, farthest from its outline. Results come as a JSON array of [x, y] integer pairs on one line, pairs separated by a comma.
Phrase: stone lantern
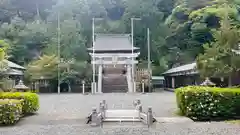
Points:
[[21, 87], [83, 86]]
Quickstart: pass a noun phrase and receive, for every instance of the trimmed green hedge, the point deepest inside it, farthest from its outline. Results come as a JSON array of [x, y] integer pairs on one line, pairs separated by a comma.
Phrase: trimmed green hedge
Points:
[[31, 100], [33, 91], [10, 111], [208, 103]]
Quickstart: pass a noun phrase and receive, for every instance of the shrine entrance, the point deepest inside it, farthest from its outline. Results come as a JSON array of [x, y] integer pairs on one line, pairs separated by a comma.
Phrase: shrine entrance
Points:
[[114, 70], [115, 60]]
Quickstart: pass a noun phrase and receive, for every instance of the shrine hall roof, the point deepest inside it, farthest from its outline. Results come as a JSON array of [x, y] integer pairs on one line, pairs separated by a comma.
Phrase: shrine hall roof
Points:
[[113, 42], [14, 65], [183, 68]]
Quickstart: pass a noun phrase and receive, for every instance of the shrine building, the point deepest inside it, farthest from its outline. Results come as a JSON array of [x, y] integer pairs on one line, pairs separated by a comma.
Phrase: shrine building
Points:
[[115, 60]]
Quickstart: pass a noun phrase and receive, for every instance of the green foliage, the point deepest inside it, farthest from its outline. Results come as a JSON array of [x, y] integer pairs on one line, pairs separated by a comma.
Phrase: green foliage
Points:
[[216, 9], [30, 100], [10, 110], [4, 48], [192, 23], [3, 67], [218, 59], [31, 28], [7, 84], [4, 45], [45, 67], [74, 71], [2, 54], [208, 103], [33, 91]]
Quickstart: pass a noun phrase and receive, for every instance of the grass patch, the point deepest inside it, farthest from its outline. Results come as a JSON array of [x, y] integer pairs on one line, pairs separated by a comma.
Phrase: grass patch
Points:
[[234, 121]]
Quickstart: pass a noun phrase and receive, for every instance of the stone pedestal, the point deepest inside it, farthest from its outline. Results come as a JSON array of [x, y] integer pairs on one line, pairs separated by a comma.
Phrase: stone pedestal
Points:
[[93, 87], [173, 82], [129, 79], [100, 68]]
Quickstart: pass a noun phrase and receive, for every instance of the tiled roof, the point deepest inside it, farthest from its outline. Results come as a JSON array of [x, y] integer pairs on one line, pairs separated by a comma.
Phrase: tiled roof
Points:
[[14, 72], [182, 68], [113, 42], [14, 65]]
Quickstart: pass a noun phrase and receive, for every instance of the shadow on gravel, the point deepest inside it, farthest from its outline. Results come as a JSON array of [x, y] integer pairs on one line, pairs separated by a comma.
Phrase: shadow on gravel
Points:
[[45, 121], [25, 116]]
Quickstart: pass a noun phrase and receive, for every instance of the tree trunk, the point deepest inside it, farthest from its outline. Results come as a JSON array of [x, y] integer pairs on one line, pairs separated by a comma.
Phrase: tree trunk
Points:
[[230, 81]]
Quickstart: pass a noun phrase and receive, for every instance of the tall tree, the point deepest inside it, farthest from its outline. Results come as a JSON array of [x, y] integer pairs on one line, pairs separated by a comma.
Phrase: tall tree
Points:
[[219, 60]]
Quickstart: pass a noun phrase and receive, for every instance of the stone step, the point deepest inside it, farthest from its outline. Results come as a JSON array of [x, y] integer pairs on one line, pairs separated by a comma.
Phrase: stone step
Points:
[[122, 114], [117, 87], [114, 85], [115, 82], [113, 75], [113, 78], [121, 120], [114, 89]]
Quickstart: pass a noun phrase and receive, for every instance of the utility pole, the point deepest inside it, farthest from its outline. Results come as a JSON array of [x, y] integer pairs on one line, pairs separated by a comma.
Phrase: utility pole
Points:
[[149, 60], [38, 14], [58, 43], [93, 57], [94, 85], [132, 39], [132, 46]]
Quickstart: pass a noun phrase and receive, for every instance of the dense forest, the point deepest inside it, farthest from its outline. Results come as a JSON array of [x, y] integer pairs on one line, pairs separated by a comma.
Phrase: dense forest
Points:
[[181, 31]]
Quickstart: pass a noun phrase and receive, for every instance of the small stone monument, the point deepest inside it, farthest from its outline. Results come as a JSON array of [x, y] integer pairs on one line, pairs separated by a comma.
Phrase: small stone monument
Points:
[[21, 87], [207, 82]]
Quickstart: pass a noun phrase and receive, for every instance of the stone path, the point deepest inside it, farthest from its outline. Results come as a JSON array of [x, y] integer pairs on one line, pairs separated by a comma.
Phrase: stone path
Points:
[[77, 105], [65, 115], [159, 129]]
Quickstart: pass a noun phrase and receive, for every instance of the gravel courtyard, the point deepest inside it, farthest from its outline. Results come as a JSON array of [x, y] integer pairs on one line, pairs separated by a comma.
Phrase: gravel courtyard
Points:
[[65, 114]]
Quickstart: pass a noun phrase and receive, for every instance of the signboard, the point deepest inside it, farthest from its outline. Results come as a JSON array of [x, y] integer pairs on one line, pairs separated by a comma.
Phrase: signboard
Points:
[[114, 60]]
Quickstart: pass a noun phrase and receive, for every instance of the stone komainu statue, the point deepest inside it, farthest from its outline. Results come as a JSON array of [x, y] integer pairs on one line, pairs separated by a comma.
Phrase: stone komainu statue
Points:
[[89, 118]]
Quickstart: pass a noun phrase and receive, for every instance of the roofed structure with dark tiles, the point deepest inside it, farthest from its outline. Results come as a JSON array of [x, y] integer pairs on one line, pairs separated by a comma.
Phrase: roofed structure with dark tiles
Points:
[[14, 69], [113, 42], [181, 69]]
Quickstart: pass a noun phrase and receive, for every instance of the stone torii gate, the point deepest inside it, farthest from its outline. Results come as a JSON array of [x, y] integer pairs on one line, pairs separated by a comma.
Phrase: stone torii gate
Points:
[[114, 51]]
